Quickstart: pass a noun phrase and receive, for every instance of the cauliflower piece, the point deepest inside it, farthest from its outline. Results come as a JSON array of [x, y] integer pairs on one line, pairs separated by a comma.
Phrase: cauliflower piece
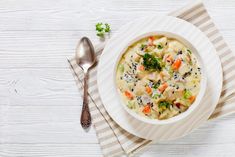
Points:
[[165, 114], [176, 46], [141, 74], [169, 93], [161, 41], [164, 75], [154, 76], [136, 57], [139, 88], [184, 68], [122, 85]]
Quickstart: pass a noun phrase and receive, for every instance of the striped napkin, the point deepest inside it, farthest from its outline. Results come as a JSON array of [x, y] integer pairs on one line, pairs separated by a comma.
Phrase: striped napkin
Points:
[[114, 140]]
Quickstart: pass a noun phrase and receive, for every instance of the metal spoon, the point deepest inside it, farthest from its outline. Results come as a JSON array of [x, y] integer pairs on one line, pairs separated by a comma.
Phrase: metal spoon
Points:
[[85, 58]]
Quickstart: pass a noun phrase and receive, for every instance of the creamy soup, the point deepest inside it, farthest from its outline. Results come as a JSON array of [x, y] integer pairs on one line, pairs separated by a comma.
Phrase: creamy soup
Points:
[[158, 77]]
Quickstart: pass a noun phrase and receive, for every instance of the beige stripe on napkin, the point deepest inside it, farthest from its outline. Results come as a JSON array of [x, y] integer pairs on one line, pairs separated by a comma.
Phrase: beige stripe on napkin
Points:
[[115, 141]]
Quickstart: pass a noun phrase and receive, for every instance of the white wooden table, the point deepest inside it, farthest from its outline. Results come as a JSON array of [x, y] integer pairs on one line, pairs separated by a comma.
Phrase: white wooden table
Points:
[[39, 102]]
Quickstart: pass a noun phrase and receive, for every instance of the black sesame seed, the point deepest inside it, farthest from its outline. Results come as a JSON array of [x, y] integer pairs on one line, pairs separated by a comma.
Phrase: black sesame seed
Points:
[[180, 52], [187, 74]]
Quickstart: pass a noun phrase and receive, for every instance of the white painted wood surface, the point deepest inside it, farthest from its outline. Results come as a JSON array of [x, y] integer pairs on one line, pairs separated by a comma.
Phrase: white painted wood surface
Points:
[[39, 102]]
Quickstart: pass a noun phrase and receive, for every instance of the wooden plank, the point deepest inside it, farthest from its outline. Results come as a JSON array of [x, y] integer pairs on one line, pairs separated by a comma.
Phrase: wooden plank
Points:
[[41, 87], [50, 150], [93, 150], [43, 124], [80, 15], [60, 124], [48, 49], [53, 43]]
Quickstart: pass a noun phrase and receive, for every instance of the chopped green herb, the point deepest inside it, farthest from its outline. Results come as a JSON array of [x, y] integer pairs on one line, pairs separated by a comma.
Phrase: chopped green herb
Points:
[[131, 105], [121, 68], [159, 46], [151, 63], [156, 85], [190, 62], [189, 51], [155, 96], [142, 46], [100, 34], [171, 71], [187, 94], [164, 105], [101, 29], [107, 27]]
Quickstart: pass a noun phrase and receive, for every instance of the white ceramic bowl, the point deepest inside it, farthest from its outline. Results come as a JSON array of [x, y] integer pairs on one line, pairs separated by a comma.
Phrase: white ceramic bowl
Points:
[[172, 128], [203, 83]]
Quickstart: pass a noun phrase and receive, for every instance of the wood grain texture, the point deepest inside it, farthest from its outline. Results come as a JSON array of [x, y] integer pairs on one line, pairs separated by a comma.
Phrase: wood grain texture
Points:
[[39, 102]]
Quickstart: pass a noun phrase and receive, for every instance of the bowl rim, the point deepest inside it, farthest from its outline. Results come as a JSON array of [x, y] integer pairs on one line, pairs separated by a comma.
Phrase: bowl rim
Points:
[[203, 82]]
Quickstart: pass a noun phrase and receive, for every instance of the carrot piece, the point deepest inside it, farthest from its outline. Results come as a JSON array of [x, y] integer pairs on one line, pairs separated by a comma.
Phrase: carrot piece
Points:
[[192, 99], [163, 87], [141, 68], [151, 39], [176, 65], [146, 109], [129, 95], [148, 90]]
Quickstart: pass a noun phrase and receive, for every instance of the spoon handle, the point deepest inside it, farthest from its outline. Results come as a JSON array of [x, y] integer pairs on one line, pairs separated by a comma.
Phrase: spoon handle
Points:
[[85, 116]]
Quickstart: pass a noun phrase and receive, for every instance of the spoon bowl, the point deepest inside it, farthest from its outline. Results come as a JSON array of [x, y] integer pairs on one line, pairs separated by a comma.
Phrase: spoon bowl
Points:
[[85, 54]]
